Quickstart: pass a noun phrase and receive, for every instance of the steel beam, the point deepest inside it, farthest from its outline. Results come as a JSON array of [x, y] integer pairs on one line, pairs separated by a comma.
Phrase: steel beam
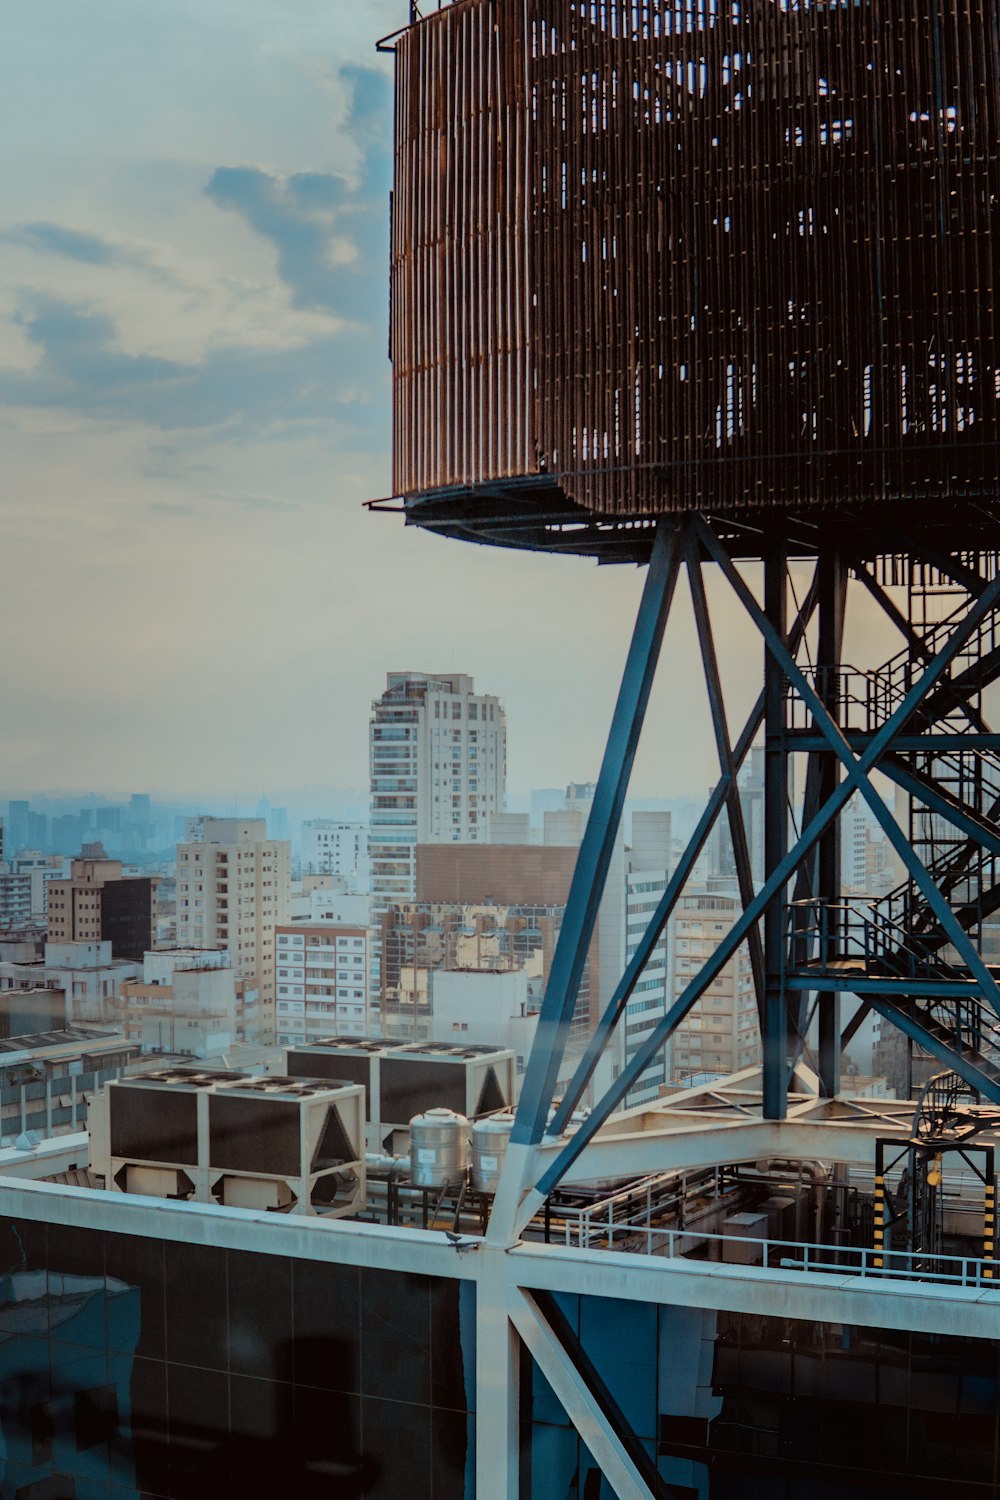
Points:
[[498, 1389], [586, 1407], [592, 864], [832, 577], [924, 989], [727, 762], [807, 739], [774, 1031]]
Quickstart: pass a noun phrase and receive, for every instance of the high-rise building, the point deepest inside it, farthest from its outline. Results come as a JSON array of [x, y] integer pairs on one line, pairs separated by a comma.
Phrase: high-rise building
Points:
[[232, 891], [43, 869], [16, 827], [98, 903], [722, 861], [438, 771]]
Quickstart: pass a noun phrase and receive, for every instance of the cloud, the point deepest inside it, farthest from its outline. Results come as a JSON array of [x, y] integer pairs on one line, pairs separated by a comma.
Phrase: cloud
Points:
[[81, 351], [74, 244], [80, 367], [86, 249], [330, 234]]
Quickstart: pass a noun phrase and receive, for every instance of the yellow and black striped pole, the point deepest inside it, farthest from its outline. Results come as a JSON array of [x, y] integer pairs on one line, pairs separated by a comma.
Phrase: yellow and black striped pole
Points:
[[879, 1234], [989, 1227]]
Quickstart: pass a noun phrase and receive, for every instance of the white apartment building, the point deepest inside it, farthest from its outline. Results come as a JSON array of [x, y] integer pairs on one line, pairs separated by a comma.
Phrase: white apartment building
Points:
[[331, 848], [86, 971], [232, 892], [438, 759], [867, 859], [42, 868], [15, 900], [322, 983], [188, 1001]]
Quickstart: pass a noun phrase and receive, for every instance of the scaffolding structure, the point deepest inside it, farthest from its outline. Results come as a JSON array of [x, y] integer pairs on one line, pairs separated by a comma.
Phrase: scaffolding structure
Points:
[[700, 286]]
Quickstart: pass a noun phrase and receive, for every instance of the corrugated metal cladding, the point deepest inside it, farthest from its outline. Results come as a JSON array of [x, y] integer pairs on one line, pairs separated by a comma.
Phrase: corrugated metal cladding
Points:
[[698, 253]]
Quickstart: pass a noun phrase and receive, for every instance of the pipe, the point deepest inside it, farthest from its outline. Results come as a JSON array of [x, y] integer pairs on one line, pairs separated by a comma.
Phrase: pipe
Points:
[[385, 1165]]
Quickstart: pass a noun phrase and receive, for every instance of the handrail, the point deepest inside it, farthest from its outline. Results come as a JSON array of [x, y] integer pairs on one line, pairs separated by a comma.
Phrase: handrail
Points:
[[793, 1255]]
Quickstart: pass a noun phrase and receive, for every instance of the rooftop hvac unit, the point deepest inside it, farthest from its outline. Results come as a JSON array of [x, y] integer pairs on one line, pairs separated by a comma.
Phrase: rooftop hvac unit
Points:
[[291, 1145], [404, 1079]]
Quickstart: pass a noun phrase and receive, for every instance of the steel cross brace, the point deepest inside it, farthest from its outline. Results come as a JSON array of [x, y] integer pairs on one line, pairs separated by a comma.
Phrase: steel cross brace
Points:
[[559, 1355], [911, 1027], [668, 901], [928, 888], [727, 764], [975, 828]]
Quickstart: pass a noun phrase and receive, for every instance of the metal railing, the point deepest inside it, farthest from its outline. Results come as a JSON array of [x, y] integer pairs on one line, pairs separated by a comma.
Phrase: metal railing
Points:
[[826, 936], [827, 933], [787, 1255]]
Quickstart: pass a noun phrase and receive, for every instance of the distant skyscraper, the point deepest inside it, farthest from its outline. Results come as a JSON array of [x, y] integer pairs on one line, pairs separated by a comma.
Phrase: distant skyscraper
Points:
[[438, 770], [16, 828]]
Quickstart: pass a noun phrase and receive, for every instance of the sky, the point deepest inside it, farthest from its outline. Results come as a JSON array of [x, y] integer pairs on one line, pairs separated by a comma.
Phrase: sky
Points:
[[194, 407]]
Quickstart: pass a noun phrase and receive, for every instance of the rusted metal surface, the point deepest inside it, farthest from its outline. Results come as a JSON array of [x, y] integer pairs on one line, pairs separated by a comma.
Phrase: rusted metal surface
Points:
[[664, 256]]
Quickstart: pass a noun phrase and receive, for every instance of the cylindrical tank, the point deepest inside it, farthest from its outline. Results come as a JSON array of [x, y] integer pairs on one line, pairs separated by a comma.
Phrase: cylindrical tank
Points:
[[724, 257], [439, 1148], [490, 1139]]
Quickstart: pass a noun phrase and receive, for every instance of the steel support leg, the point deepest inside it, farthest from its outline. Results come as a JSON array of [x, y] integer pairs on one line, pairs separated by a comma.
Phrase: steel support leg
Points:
[[594, 859], [774, 1037], [497, 1392], [832, 578], [589, 877]]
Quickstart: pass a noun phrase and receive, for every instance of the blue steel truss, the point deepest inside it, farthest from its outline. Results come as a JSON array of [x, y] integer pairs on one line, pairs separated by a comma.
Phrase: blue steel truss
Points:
[[914, 958]]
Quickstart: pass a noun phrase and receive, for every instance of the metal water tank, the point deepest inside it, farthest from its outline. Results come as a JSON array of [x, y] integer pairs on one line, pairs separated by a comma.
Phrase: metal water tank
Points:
[[439, 1148], [490, 1139]]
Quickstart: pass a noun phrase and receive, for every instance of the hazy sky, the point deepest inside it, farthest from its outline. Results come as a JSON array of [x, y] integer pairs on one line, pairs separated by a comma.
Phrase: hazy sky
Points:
[[194, 404]]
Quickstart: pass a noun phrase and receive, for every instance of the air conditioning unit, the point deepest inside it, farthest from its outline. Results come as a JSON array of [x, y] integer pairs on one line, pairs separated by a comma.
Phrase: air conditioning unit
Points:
[[290, 1145], [404, 1079]]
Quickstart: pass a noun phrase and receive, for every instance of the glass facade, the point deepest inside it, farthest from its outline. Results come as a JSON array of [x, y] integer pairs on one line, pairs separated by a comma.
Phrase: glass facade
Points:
[[131, 1368], [734, 1406]]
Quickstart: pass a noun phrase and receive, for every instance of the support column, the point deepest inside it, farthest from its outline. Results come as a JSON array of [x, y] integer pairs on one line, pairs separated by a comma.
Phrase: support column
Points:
[[498, 1378], [832, 581], [774, 1039], [587, 888]]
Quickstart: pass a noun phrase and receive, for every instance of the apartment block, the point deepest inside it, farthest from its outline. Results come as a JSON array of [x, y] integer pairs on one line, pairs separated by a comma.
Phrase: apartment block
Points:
[[322, 981], [232, 892], [720, 1034], [98, 903], [438, 759], [332, 848]]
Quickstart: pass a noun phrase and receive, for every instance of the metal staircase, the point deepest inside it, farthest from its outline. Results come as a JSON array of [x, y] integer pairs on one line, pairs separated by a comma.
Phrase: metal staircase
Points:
[[898, 940]]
